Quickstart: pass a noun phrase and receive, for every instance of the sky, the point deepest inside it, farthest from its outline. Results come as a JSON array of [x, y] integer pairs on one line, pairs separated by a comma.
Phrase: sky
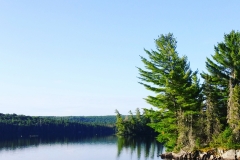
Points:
[[80, 58]]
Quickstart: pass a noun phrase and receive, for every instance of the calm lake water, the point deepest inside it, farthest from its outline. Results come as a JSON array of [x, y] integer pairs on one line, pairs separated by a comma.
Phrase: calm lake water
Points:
[[87, 148]]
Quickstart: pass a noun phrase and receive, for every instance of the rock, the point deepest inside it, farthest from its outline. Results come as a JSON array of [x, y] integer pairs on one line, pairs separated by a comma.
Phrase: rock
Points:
[[238, 154], [166, 156], [201, 155], [230, 154], [214, 154], [175, 155]]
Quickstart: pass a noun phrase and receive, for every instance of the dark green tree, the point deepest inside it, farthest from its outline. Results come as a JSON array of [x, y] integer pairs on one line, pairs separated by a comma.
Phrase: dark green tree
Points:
[[214, 111], [225, 70], [178, 93]]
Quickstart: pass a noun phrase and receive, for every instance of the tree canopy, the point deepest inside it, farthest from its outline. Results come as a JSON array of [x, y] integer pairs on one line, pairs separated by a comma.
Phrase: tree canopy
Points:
[[224, 75], [178, 93], [186, 114]]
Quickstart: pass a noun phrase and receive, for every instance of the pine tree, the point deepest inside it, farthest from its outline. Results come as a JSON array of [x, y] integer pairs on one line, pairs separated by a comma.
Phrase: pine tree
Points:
[[177, 90], [121, 129], [214, 116], [225, 69]]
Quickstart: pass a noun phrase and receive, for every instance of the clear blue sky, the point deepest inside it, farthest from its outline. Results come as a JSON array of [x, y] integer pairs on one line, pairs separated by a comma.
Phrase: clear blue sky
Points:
[[72, 58]]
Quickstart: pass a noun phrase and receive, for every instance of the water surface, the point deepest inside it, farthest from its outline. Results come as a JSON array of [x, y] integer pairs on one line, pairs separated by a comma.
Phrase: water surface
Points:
[[84, 148]]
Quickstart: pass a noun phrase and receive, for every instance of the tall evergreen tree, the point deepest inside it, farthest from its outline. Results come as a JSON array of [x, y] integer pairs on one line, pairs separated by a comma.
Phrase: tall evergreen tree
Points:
[[177, 90], [225, 69], [214, 115]]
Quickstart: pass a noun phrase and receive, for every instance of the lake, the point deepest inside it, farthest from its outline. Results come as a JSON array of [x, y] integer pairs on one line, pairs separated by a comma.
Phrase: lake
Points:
[[84, 148]]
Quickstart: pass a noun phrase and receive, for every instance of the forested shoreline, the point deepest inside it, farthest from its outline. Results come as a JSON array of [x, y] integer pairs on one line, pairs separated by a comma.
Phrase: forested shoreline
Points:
[[15, 126], [188, 115], [133, 125]]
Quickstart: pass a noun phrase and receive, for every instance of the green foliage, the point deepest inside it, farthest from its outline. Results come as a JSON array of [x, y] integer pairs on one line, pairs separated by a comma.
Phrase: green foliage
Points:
[[224, 80], [198, 144], [120, 124], [178, 93], [224, 140], [165, 125], [187, 115], [133, 125], [12, 125], [93, 120]]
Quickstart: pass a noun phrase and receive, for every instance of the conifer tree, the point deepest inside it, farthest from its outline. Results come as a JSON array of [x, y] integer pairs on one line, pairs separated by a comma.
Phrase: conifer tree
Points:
[[225, 69], [177, 90], [120, 124], [214, 115]]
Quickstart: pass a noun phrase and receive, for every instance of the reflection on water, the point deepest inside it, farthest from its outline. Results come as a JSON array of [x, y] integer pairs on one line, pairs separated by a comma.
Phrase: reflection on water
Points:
[[148, 147], [12, 144], [108, 147]]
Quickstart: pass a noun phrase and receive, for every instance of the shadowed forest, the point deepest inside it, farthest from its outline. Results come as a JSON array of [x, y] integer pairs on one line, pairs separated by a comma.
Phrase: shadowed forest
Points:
[[15, 126]]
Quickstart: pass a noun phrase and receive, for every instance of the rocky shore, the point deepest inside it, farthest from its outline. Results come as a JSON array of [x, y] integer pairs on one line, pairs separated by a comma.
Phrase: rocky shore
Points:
[[213, 154]]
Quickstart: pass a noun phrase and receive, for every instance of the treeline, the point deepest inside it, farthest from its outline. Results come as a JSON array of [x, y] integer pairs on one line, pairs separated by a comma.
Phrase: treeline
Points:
[[99, 120], [133, 125], [13, 126], [188, 115]]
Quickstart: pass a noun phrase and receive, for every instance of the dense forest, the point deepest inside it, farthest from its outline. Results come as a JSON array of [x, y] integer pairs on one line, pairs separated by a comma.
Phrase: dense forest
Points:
[[133, 125], [100, 120], [188, 115], [14, 126]]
